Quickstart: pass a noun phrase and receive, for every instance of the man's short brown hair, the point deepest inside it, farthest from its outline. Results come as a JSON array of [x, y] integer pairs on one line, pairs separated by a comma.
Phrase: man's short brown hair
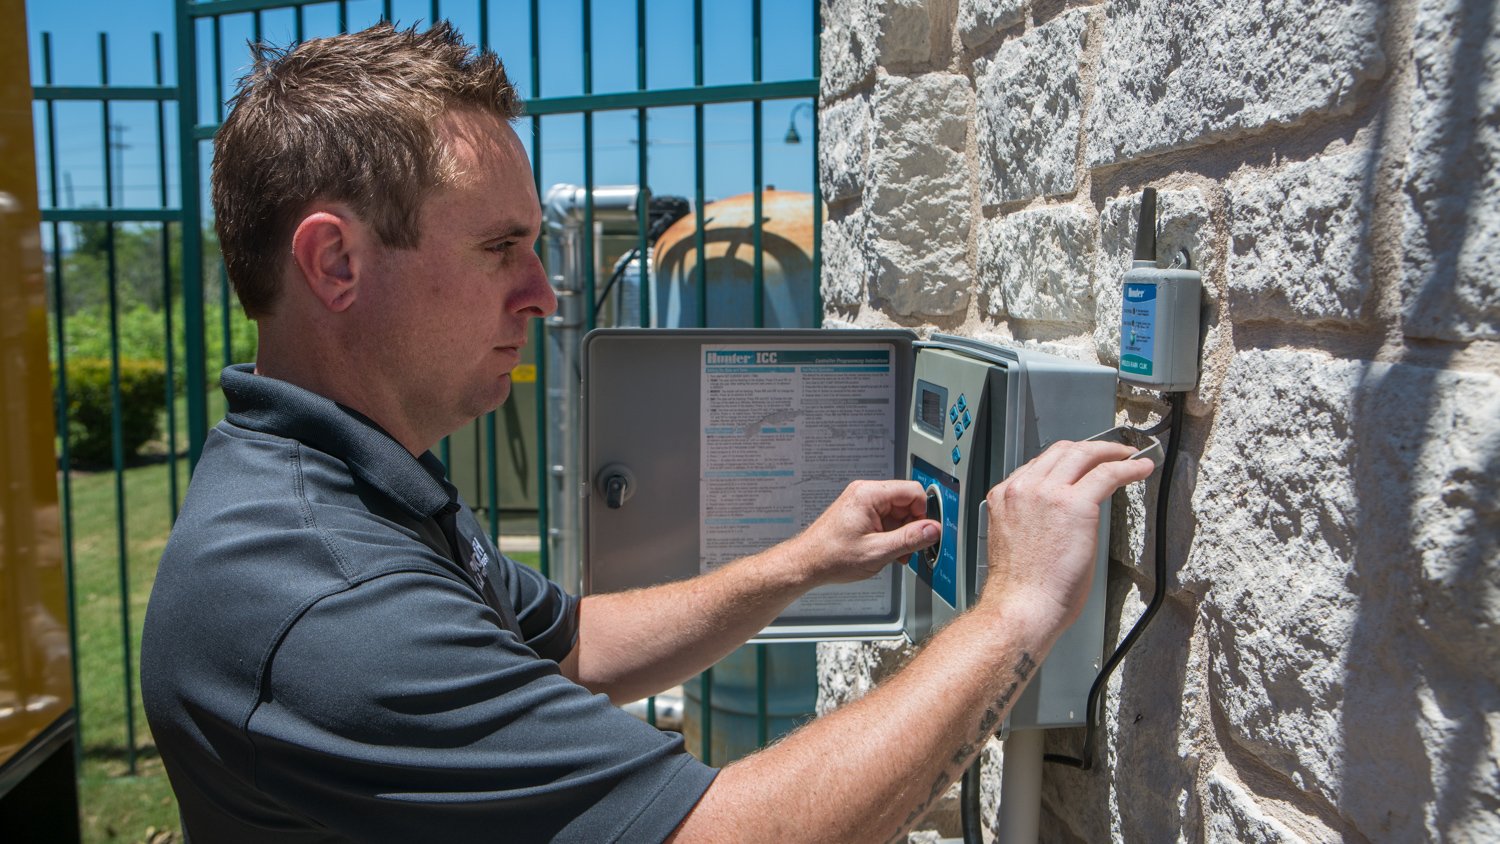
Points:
[[352, 119]]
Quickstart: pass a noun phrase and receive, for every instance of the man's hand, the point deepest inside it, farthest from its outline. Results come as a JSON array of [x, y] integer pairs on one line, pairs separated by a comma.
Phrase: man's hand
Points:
[[869, 526], [1044, 524]]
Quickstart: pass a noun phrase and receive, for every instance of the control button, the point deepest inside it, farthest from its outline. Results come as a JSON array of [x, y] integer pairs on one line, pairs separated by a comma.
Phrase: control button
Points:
[[956, 455], [953, 414], [967, 420], [962, 402], [958, 432]]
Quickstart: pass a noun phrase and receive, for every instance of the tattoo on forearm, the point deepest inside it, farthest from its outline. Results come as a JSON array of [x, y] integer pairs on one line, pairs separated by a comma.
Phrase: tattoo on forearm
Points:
[[987, 722]]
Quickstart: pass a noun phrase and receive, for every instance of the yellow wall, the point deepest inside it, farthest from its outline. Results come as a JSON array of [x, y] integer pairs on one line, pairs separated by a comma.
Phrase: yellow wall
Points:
[[35, 677]]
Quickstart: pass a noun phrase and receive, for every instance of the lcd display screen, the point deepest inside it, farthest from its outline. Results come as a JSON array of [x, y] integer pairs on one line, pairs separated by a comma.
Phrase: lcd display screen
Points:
[[931, 404]]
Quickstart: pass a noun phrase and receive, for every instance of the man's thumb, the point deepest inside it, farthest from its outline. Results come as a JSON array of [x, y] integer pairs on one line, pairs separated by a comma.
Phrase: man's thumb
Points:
[[913, 537]]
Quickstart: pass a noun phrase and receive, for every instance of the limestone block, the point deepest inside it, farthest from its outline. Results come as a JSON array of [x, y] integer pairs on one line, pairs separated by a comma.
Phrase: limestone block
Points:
[[1231, 816], [1451, 275], [1178, 73], [979, 20], [1437, 454], [859, 35], [1038, 265], [917, 198], [1347, 518], [851, 29], [844, 147], [905, 32], [1300, 241], [846, 265], [1182, 222], [1028, 114], [1276, 504]]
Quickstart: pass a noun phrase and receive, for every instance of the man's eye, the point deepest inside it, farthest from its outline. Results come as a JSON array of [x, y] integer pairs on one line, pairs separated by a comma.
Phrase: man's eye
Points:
[[503, 248]]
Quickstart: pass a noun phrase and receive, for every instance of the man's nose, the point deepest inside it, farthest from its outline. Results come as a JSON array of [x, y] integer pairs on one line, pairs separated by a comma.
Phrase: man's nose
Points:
[[537, 297]]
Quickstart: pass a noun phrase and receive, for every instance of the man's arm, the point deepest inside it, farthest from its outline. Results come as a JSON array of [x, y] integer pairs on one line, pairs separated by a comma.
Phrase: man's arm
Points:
[[633, 644], [870, 770]]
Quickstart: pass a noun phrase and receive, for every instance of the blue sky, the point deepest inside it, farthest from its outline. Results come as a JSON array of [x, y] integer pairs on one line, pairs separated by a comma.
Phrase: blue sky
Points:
[[75, 26]]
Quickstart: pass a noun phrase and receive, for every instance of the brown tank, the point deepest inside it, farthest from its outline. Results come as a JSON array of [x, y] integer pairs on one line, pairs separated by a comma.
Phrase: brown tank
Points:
[[729, 252]]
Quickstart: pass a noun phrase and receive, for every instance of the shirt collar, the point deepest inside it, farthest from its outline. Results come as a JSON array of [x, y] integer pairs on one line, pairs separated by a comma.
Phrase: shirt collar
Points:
[[265, 404]]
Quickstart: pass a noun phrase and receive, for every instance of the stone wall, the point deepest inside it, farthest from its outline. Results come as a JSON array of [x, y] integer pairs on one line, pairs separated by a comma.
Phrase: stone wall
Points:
[[1327, 667]]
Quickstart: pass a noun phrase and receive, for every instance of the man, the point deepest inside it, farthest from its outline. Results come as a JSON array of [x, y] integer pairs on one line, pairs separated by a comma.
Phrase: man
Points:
[[334, 649]]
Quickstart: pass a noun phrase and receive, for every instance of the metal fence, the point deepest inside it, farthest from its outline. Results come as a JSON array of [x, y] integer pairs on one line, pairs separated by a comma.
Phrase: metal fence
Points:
[[200, 327]]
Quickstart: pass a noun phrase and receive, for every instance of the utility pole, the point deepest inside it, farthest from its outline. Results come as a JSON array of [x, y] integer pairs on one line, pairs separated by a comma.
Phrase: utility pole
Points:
[[117, 147]]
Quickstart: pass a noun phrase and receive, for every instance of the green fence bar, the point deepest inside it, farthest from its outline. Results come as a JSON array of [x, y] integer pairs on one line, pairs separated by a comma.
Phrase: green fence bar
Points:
[[169, 352], [591, 308], [757, 155], [539, 327], [110, 215], [817, 186], [706, 716], [93, 94], [666, 97], [190, 262], [492, 486], [116, 424], [699, 176], [762, 728], [643, 209]]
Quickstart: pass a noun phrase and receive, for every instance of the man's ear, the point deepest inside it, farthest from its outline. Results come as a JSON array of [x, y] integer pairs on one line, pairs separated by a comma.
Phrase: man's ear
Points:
[[324, 248]]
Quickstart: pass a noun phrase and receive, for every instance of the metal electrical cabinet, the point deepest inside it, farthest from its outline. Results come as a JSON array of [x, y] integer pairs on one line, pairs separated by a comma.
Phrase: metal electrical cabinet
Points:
[[701, 447]]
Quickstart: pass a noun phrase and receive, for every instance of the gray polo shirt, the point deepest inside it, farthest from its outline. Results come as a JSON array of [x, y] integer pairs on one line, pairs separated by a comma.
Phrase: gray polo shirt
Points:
[[334, 650]]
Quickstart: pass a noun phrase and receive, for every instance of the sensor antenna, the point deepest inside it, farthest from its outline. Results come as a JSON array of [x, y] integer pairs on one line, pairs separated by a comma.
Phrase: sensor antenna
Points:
[[1145, 232]]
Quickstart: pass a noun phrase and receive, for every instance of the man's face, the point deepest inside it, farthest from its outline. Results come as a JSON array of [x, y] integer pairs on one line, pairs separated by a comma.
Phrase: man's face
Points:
[[452, 315]]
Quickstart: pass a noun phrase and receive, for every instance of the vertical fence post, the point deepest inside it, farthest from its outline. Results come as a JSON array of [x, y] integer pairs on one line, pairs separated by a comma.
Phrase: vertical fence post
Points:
[[699, 174], [539, 328], [191, 259], [817, 186], [591, 308], [116, 422], [642, 180], [169, 353]]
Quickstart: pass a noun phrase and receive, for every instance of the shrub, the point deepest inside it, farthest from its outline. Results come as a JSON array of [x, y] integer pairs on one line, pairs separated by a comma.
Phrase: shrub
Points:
[[142, 386]]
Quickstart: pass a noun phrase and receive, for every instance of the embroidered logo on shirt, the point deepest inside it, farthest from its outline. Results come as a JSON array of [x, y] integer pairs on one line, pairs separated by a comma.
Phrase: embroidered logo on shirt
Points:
[[479, 562]]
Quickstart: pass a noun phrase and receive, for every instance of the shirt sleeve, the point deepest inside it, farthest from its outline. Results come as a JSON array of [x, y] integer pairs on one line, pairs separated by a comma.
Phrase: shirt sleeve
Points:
[[547, 616], [400, 710]]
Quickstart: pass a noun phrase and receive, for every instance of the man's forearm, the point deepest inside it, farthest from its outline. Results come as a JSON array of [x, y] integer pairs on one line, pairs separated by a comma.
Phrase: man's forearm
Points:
[[870, 770], [637, 643]]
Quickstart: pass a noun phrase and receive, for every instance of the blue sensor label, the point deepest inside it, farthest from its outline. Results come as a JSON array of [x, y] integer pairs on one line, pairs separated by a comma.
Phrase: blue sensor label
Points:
[[1137, 329]]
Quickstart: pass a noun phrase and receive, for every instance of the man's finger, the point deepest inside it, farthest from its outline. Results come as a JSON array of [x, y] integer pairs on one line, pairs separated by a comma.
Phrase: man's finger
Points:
[[908, 538], [1042, 464], [901, 500], [1102, 481], [1080, 458]]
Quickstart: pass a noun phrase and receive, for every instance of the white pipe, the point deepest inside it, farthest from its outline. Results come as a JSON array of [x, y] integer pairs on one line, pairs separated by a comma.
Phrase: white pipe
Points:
[[1021, 788]]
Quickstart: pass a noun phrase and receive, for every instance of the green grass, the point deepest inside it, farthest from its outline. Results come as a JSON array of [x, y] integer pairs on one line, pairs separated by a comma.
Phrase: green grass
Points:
[[116, 805]]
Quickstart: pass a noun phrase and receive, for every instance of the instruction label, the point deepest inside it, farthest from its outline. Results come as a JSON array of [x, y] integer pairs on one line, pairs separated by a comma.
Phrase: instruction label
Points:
[[784, 429], [1137, 327]]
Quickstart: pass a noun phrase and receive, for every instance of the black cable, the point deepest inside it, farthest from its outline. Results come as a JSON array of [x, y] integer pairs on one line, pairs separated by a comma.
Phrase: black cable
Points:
[[1158, 597], [620, 267], [968, 803]]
